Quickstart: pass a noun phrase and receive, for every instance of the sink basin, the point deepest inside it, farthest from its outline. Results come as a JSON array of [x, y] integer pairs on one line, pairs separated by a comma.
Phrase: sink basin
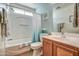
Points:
[[56, 36], [65, 38], [71, 38]]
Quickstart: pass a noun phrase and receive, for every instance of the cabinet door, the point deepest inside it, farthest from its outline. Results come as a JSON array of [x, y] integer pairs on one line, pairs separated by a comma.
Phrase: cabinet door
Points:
[[60, 50], [47, 47]]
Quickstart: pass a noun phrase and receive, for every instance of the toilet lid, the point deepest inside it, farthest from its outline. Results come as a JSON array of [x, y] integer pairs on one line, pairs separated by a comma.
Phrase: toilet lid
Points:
[[36, 44]]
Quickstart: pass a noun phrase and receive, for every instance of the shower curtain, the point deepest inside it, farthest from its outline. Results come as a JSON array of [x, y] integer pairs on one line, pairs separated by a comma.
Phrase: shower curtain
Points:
[[36, 27]]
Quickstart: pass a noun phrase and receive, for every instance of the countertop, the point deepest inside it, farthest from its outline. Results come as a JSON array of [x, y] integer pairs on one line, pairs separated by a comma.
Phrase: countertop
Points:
[[70, 40]]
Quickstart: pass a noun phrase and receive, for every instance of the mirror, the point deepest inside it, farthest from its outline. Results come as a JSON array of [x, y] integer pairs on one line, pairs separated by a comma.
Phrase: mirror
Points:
[[67, 14], [65, 18]]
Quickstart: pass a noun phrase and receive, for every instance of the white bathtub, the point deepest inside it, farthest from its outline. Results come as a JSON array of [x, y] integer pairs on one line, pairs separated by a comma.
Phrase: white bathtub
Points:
[[17, 42]]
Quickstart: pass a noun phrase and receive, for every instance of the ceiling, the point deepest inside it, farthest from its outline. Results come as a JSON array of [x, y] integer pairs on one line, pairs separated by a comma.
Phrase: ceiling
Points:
[[43, 7], [40, 7], [35, 5], [28, 4]]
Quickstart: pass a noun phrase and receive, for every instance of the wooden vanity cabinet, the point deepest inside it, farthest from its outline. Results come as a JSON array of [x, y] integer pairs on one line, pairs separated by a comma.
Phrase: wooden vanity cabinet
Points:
[[64, 50], [47, 47], [53, 48]]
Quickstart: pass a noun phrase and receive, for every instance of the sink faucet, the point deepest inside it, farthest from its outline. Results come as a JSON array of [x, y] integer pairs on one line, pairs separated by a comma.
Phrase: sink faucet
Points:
[[62, 33]]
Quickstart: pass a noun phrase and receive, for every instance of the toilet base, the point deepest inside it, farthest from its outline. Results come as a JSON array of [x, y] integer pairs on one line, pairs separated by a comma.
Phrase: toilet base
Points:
[[37, 52]]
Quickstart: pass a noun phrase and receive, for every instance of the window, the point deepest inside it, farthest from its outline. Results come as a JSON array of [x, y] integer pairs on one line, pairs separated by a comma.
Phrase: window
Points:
[[28, 13], [20, 11]]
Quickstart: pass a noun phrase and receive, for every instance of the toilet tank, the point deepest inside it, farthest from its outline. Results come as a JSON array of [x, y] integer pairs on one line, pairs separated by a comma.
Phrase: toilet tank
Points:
[[41, 36]]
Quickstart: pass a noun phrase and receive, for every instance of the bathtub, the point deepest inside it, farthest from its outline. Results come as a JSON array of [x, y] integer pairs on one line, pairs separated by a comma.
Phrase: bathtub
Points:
[[14, 44], [10, 43]]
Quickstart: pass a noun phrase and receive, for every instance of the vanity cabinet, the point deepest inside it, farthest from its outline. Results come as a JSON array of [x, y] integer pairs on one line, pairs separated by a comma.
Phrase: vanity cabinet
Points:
[[55, 48], [47, 47]]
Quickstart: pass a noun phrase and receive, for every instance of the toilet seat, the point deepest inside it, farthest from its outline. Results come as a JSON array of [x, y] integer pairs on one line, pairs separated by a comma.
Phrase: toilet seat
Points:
[[36, 45]]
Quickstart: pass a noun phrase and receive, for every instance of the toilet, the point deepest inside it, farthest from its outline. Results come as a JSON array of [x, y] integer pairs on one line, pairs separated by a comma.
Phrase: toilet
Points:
[[37, 46]]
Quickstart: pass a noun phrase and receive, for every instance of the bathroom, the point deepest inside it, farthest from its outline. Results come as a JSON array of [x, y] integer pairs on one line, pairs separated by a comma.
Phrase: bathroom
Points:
[[24, 24]]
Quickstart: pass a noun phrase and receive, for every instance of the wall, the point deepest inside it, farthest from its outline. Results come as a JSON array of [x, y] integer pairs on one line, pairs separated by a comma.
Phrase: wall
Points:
[[61, 15], [46, 23]]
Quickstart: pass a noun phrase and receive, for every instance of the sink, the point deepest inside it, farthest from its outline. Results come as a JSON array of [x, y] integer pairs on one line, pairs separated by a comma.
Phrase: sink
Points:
[[56, 36], [71, 38], [67, 38]]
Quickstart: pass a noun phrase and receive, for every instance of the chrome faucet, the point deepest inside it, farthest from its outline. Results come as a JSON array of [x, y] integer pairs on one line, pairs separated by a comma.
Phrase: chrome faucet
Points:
[[63, 35], [61, 27]]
